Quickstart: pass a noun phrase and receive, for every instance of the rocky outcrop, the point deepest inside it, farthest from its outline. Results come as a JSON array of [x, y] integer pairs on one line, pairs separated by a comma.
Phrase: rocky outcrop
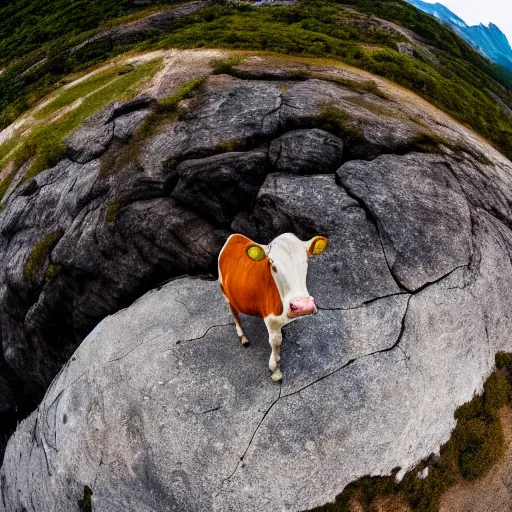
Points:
[[161, 404]]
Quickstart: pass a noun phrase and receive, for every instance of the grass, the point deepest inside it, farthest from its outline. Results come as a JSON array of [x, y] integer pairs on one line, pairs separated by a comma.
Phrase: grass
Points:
[[163, 113], [476, 444], [335, 121], [39, 254], [312, 29], [226, 146], [45, 144], [79, 91], [52, 272]]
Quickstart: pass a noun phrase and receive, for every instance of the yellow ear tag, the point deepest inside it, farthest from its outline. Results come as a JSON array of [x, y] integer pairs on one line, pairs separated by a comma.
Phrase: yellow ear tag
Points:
[[320, 245], [256, 253]]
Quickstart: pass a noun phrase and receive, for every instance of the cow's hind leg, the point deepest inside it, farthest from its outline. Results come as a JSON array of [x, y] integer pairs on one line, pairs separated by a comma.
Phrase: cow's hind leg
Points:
[[275, 338], [239, 330]]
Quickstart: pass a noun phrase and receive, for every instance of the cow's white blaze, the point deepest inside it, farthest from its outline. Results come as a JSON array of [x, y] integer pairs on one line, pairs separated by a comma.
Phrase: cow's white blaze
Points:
[[289, 259]]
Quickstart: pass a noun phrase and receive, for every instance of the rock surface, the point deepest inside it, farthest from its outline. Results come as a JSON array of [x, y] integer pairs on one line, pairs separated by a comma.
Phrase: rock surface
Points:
[[414, 295]]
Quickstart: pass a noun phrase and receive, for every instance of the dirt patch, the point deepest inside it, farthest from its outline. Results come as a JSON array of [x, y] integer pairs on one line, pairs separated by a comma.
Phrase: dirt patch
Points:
[[494, 491]]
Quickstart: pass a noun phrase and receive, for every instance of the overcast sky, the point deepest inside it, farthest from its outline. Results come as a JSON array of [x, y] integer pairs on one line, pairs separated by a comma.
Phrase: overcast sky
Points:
[[474, 12]]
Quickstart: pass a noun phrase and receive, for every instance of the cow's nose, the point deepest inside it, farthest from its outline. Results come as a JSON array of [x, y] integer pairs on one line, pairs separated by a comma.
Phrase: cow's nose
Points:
[[301, 307]]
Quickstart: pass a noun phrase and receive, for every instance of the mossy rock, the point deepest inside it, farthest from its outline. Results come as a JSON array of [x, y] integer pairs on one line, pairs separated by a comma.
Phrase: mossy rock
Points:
[[39, 254]]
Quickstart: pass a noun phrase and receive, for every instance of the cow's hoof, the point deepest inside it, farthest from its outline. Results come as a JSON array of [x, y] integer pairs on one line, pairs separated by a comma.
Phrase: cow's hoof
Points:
[[277, 376], [245, 341]]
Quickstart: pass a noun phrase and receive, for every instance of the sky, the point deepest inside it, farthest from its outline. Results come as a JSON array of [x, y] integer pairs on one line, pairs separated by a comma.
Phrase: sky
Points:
[[474, 12]]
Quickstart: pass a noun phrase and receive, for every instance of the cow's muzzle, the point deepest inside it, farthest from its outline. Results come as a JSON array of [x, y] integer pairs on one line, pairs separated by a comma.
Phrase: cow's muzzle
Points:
[[302, 307]]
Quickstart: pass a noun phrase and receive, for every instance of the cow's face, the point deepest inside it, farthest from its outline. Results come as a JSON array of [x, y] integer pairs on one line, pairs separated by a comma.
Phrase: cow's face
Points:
[[288, 257]]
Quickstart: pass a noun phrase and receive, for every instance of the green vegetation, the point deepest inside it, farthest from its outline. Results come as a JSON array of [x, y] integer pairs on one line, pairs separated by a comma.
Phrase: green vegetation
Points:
[[43, 32], [111, 215], [45, 144], [39, 254], [167, 110], [457, 79], [85, 504], [476, 444], [52, 272], [228, 145], [457, 84], [163, 112], [79, 91], [334, 120]]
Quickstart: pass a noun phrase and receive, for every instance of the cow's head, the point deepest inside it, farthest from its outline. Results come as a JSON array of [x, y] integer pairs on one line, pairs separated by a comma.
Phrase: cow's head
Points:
[[288, 257]]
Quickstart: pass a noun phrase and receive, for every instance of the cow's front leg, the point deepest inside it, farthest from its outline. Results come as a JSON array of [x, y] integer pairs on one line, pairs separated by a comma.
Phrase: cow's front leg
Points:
[[275, 338]]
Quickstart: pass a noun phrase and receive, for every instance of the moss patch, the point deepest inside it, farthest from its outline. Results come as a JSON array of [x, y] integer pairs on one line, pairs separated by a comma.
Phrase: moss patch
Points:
[[336, 121], [365, 86], [39, 254], [76, 92], [227, 146], [85, 504], [476, 444], [111, 214], [52, 272]]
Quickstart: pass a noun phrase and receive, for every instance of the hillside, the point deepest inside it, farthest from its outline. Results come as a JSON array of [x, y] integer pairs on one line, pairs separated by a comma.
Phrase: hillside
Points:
[[489, 41], [435, 62]]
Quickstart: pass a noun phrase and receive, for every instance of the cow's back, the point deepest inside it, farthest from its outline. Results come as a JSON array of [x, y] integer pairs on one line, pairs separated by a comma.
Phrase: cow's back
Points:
[[247, 284]]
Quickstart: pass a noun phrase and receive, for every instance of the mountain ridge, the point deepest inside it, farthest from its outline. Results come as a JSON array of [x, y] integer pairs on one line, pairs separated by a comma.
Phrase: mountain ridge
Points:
[[488, 40]]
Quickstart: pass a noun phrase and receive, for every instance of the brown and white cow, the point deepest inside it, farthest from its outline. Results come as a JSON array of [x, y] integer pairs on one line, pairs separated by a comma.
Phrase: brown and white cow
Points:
[[268, 281]]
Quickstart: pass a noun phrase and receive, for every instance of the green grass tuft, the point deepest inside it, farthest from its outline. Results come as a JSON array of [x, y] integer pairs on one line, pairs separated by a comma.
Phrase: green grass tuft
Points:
[[52, 272], [163, 112], [79, 91], [335, 121], [227, 146], [39, 254]]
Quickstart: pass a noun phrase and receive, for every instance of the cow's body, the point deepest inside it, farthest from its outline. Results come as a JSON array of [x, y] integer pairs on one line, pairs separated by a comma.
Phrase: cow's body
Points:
[[268, 281]]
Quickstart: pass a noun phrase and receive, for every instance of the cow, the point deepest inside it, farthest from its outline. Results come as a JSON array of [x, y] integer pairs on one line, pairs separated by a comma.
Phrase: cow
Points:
[[268, 281]]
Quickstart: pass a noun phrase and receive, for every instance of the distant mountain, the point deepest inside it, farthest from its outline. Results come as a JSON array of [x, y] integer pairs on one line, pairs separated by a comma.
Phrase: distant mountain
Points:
[[489, 41]]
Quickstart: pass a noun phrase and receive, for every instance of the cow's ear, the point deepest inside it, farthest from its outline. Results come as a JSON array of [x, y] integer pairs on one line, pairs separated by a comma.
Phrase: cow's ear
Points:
[[317, 245], [256, 252]]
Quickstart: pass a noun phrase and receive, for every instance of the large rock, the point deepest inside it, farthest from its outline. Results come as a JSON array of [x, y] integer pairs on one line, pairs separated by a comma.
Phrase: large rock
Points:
[[414, 295], [161, 408], [306, 152], [420, 208], [221, 186]]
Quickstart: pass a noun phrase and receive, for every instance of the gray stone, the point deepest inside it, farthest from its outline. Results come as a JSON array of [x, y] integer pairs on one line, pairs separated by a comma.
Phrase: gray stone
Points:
[[126, 126], [232, 113], [413, 291], [92, 139], [374, 129], [161, 404], [221, 186], [306, 152], [353, 270], [405, 48], [419, 207]]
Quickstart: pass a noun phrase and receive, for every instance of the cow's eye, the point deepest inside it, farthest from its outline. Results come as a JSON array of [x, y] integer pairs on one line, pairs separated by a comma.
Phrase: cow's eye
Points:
[[274, 268]]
